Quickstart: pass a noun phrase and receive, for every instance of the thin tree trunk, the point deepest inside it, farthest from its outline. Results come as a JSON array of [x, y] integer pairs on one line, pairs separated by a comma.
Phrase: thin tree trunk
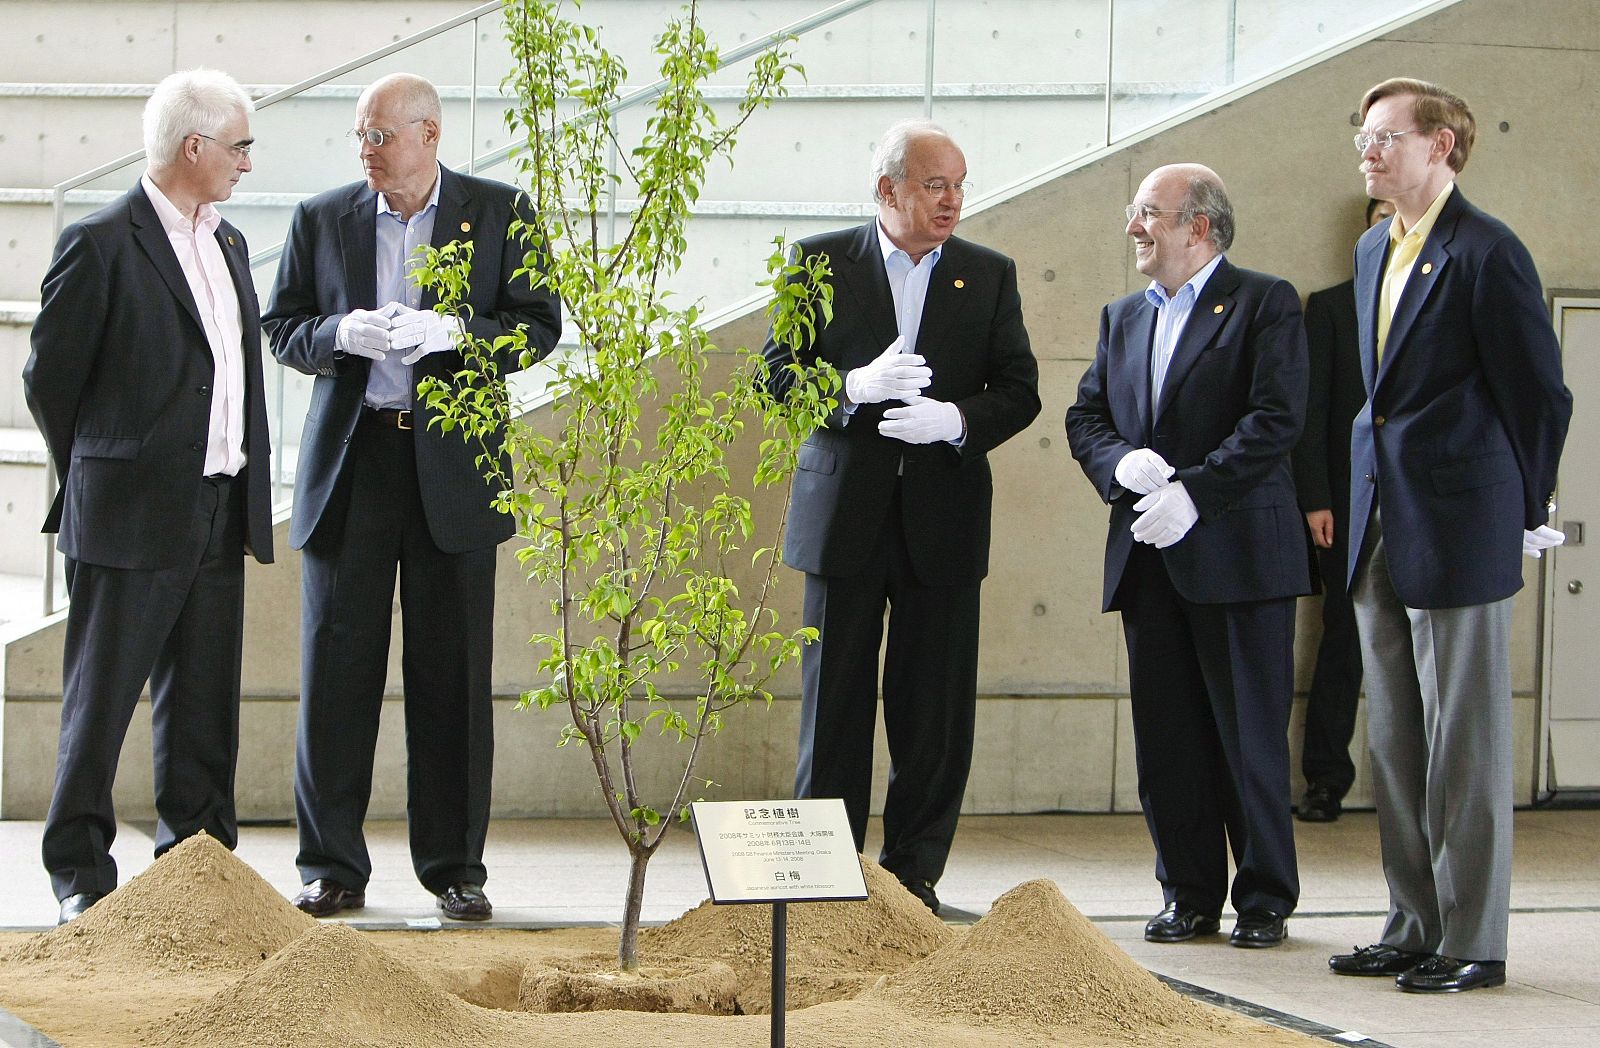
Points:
[[628, 948]]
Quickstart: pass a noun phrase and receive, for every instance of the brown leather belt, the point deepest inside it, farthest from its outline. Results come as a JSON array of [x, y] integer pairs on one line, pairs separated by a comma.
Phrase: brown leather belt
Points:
[[388, 418]]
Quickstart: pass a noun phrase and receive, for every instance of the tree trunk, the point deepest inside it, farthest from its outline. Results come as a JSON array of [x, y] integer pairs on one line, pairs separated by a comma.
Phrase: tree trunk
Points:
[[628, 948]]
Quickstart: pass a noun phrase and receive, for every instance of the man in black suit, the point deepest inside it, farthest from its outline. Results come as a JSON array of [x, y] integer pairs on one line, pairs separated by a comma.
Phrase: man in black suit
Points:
[[145, 378], [1185, 422], [891, 499], [378, 488], [1453, 471], [1322, 479]]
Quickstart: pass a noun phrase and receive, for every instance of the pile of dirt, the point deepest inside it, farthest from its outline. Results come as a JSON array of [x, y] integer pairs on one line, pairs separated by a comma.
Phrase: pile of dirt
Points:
[[591, 983], [198, 907], [836, 949], [1034, 959], [331, 988]]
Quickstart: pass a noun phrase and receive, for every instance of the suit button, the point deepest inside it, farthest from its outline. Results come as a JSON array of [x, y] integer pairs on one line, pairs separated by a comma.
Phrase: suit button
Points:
[[1369, 478], [198, 445], [1378, 420], [204, 391]]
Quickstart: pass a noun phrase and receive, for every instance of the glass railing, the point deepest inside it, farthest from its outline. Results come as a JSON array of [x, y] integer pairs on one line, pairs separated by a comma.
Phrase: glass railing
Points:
[[1028, 87]]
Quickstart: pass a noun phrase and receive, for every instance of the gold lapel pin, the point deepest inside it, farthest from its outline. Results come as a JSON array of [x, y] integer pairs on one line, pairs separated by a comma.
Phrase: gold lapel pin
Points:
[[1217, 308], [1427, 267], [230, 241], [466, 227], [961, 283]]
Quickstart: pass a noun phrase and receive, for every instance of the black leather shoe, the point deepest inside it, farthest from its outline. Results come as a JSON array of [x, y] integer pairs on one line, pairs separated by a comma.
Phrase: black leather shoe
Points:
[[1256, 929], [1179, 924], [923, 890], [326, 897], [74, 905], [1319, 804], [465, 902], [1378, 959], [1440, 974]]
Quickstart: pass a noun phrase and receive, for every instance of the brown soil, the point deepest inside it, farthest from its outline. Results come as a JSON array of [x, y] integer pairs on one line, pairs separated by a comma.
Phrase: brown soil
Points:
[[174, 960], [836, 949], [590, 983]]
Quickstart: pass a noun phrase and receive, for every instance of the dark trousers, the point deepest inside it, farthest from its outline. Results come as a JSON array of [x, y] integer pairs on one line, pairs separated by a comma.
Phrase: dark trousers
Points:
[[1211, 689], [373, 528], [930, 685], [182, 630], [1335, 684]]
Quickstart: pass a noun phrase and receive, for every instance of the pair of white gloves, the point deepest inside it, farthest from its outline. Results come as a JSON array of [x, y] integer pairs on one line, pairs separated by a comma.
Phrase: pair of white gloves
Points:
[[1167, 512], [895, 375], [375, 333]]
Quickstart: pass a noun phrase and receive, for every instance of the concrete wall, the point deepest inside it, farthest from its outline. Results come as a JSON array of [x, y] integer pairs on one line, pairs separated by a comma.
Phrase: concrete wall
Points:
[[1053, 726]]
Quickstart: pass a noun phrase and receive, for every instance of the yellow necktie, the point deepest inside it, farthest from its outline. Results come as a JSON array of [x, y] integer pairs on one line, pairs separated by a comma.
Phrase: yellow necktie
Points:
[[1395, 275]]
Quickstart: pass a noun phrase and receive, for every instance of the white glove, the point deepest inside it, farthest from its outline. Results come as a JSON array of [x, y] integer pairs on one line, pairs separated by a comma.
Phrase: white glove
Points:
[[892, 375], [1143, 470], [422, 331], [364, 333], [922, 421], [1166, 515], [1535, 542]]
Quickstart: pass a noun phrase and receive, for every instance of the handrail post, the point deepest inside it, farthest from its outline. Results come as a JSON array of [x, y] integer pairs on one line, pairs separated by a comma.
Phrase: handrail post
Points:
[[1111, 51], [927, 71], [58, 206], [1233, 36], [472, 107]]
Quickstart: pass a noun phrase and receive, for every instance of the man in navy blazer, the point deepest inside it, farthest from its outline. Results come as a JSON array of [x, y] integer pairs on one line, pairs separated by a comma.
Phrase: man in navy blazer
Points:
[[379, 489], [891, 500], [145, 379], [1453, 469], [1184, 423]]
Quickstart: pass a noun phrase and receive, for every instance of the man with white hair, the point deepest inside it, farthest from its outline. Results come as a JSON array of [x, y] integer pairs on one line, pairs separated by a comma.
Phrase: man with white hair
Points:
[[891, 499], [145, 378], [381, 490]]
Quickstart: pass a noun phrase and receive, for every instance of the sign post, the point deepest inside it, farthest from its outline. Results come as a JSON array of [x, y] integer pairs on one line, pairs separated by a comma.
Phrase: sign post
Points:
[[778, 852]]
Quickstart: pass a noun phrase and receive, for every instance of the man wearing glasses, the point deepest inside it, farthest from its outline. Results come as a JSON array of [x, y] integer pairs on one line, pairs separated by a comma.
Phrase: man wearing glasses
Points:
[[1453, 470], [891, 499], [1185, 423], [145, 379], [378, 490]]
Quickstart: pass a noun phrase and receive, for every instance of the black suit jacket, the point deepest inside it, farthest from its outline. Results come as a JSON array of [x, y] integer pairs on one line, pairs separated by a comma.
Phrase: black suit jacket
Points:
[[973, 338], [1231, 410], [1466, 414], [1335, 395], [329, 269], [120, 382]]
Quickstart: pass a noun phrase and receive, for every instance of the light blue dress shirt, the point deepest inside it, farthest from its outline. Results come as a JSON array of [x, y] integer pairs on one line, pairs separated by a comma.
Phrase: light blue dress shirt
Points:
[[1172, 316], [908, 284], [390, 385]]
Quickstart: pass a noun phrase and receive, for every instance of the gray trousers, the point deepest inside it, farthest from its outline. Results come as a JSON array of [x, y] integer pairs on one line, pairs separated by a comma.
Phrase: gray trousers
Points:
[[1439, 730]]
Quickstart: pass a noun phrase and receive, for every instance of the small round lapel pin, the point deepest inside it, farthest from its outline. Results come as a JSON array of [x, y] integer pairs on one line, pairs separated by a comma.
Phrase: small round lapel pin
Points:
[[1217, 308], [230, 241], [1427, 267], [466, 227], [961, 283]]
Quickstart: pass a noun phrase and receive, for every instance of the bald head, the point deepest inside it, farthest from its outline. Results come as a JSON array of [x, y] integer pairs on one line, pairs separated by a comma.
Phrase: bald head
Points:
[[1183, 220], [404, 95], [404, 167]]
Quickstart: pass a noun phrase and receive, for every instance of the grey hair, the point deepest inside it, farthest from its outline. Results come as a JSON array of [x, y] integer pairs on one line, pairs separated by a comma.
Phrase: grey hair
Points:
[[1207, 196], [194, 101], [889, 159]]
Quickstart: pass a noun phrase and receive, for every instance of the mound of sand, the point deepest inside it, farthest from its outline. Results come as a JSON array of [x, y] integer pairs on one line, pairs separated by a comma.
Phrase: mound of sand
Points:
[[1034, 959], [330, 988], [836, 949], [197, 907]]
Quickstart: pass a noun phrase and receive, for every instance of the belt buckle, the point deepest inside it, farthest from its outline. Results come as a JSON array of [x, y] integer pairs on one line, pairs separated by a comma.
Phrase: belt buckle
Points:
[[402, 419]]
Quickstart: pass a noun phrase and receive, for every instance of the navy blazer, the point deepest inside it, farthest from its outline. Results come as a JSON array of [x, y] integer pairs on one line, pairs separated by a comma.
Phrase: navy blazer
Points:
[[120, 382], [973, 339], [1231, 409], [329, 269], [1465, 416]]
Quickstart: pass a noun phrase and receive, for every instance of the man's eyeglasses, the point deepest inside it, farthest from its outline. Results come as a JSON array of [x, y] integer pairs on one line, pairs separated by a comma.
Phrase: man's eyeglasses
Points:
[[938, 186], [242, 149], [1382, 139], [377, 136], [1145, 213]]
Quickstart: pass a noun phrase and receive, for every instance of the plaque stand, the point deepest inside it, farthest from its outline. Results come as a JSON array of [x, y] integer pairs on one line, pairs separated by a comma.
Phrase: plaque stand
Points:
[[780, 979]]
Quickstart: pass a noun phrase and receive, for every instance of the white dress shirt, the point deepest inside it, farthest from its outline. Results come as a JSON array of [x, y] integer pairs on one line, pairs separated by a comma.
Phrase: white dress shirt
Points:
[[216, 298]]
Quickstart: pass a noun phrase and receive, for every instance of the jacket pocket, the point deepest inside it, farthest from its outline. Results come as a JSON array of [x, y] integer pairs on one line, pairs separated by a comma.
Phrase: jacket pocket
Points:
[[1479, 472], [86, 446], [815, 459]]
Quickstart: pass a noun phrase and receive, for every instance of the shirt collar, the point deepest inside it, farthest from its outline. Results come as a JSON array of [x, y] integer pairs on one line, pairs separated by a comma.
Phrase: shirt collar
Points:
[[888, 248], [173, 220], [1157, 295], [1424, 224], [433, 198]]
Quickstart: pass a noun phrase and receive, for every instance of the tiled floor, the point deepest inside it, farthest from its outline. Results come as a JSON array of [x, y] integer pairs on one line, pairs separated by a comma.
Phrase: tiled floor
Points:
[[565, 871]]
